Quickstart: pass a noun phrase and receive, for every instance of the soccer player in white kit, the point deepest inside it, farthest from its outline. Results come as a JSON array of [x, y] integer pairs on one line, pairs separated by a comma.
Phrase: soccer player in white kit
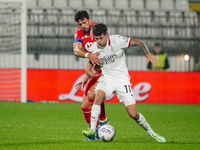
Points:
[[115, 77]]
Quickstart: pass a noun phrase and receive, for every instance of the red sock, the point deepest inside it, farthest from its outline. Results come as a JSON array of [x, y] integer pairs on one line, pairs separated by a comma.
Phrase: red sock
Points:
[[91, 101], [103, 113], [87, 116]]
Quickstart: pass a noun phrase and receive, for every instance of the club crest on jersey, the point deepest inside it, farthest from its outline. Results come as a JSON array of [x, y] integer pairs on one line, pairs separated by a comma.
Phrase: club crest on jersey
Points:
[[88, 45]]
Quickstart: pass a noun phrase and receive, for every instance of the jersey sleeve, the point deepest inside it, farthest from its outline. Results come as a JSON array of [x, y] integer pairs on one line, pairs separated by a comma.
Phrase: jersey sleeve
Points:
[[123, 42], [77, 37]]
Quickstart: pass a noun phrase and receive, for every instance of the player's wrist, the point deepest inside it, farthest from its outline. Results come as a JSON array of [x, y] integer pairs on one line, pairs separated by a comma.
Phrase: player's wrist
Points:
[[86, 55], [148, 54]]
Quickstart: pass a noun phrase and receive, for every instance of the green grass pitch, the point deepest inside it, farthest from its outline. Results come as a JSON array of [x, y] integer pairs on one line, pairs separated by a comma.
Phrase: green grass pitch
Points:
[[48, 126]]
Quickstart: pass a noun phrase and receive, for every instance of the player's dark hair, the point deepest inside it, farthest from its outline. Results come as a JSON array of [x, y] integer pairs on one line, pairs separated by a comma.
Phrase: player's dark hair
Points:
[[80, 15], [99, 29]]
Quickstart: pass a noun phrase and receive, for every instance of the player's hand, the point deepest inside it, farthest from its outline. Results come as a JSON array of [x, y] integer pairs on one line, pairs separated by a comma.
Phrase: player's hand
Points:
[[93, 57], [151, 58], [80, 84], [92, 75]]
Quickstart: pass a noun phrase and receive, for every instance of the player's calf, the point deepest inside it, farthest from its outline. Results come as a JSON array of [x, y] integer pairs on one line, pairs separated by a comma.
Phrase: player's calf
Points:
[[132, 111]]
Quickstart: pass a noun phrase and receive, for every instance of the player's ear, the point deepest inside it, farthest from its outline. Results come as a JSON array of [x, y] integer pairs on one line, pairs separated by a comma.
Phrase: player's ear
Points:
[[106, 35], [89, 19]]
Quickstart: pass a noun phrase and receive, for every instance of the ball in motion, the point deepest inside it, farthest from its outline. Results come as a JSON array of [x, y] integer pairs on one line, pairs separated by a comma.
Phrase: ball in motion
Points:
[[106, 133]]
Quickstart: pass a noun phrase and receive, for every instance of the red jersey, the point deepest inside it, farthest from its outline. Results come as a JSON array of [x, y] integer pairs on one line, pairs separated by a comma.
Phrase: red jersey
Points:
[[86, 40]]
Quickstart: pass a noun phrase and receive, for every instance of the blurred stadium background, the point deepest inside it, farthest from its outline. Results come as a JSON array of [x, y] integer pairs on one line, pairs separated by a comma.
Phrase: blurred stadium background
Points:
[[51, 29], [175, 24]]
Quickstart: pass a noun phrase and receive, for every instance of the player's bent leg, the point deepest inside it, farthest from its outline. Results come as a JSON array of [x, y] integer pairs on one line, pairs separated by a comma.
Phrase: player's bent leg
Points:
[[94, 118], [132, 111], [89, 89], [91, 95], [140, 120], [96, 108], [100, 96], [102, 118], [91, 92], [145, 125], [86, 108], [85, 102]]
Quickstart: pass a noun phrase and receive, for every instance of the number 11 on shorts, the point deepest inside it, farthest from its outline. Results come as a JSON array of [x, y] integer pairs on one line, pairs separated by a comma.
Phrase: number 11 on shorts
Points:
[[127, 88]]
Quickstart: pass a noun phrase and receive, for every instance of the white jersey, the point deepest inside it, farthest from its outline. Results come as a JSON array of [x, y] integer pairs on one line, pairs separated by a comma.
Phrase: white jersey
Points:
[[113, 57]]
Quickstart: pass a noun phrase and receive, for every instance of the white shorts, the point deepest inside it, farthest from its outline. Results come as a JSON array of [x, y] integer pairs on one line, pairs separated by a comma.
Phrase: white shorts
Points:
[[122, 90]]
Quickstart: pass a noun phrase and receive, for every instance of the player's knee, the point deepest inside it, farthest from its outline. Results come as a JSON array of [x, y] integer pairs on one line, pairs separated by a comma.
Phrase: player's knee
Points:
[[99, 98], [85, 103], [91, 94]]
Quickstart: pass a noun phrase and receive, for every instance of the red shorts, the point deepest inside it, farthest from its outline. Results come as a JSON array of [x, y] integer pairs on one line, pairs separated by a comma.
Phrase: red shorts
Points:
[[90, 83]]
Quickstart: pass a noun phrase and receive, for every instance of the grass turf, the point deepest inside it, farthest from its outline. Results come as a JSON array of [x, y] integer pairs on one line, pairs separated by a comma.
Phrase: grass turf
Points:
[[59, 126]]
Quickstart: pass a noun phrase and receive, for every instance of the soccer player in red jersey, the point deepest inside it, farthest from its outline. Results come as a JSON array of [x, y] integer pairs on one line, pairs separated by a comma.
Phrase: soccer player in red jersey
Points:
[[84, 38]]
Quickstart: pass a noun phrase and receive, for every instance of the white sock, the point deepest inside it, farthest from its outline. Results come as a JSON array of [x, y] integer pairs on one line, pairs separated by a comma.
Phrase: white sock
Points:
[[144, 124], [95, 116]]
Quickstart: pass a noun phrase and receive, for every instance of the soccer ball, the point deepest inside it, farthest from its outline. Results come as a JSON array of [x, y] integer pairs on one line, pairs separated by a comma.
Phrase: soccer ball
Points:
[[106, 133]]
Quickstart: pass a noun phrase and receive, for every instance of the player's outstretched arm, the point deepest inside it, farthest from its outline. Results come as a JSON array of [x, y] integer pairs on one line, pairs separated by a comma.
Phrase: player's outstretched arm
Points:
[[93, 57], [143, 47], [82, 83], [92, 72]]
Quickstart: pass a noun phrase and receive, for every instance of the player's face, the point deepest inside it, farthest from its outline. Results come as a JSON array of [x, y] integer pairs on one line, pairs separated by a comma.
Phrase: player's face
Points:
[[85, 25], [101, 40]]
